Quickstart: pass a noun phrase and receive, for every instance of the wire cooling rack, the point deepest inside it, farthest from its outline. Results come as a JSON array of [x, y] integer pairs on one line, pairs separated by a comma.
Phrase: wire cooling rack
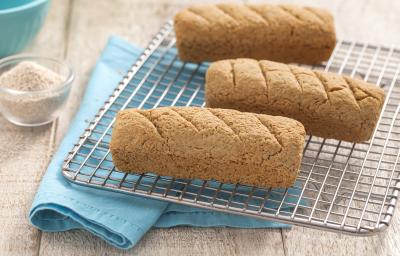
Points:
[[342, 186]]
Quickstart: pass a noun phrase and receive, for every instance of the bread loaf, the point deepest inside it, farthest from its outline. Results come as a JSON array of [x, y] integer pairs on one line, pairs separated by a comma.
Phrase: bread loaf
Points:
[[285, 33], [225, 145], [328, 105]]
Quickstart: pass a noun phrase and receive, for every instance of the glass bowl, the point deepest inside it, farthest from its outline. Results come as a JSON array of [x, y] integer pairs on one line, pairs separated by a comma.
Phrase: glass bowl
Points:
[[35, 107]]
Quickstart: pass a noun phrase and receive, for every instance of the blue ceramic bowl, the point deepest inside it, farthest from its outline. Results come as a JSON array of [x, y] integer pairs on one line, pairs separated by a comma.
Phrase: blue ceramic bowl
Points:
[[20, 21]]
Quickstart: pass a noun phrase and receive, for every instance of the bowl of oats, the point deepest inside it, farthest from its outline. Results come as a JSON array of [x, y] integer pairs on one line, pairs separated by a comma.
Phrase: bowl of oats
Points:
[[33, 89]]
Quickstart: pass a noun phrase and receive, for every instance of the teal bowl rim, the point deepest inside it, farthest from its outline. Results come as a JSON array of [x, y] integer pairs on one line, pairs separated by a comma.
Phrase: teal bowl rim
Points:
[[23, 7]]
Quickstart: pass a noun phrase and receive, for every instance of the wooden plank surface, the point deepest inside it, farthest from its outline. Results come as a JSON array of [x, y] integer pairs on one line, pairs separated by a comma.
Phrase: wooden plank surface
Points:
[[78, 31], [175, 241]]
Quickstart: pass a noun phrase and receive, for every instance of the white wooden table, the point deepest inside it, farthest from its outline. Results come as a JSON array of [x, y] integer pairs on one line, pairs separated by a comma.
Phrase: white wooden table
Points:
[[77, 30]]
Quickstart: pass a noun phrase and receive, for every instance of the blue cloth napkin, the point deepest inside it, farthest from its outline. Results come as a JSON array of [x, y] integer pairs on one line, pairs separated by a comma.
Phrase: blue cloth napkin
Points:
[[119, 219]]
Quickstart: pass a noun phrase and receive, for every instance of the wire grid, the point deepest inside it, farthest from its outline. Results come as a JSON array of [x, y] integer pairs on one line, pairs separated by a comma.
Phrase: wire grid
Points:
[[342, 186]]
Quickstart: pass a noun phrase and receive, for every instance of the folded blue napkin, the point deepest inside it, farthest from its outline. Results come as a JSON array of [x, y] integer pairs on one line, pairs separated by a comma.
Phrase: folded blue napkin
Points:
[[119, 219]]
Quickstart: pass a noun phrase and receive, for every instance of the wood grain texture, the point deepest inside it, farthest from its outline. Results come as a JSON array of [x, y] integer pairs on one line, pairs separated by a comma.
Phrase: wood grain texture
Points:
[[20, 171], [175, 241], [78, 31]]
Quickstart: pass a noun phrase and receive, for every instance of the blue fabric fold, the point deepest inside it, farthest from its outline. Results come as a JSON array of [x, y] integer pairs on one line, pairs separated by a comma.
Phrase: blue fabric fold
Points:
[[119, 219]]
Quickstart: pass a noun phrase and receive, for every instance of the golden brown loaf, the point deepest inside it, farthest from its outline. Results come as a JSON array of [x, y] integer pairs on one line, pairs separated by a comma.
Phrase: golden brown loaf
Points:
[[285, 33], [220, 144], [329, 105]]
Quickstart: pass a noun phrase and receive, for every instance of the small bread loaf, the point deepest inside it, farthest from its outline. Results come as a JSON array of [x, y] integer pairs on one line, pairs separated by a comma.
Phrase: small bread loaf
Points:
[[224, 145], [328, 105], [285, 33]]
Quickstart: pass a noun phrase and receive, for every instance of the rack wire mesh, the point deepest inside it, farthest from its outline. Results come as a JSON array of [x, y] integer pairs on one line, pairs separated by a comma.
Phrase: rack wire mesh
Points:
[[344, 187]]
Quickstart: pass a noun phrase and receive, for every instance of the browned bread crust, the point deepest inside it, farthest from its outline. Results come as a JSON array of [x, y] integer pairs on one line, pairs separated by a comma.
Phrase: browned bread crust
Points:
[[285, 33], [220, 144], [328, 105]]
